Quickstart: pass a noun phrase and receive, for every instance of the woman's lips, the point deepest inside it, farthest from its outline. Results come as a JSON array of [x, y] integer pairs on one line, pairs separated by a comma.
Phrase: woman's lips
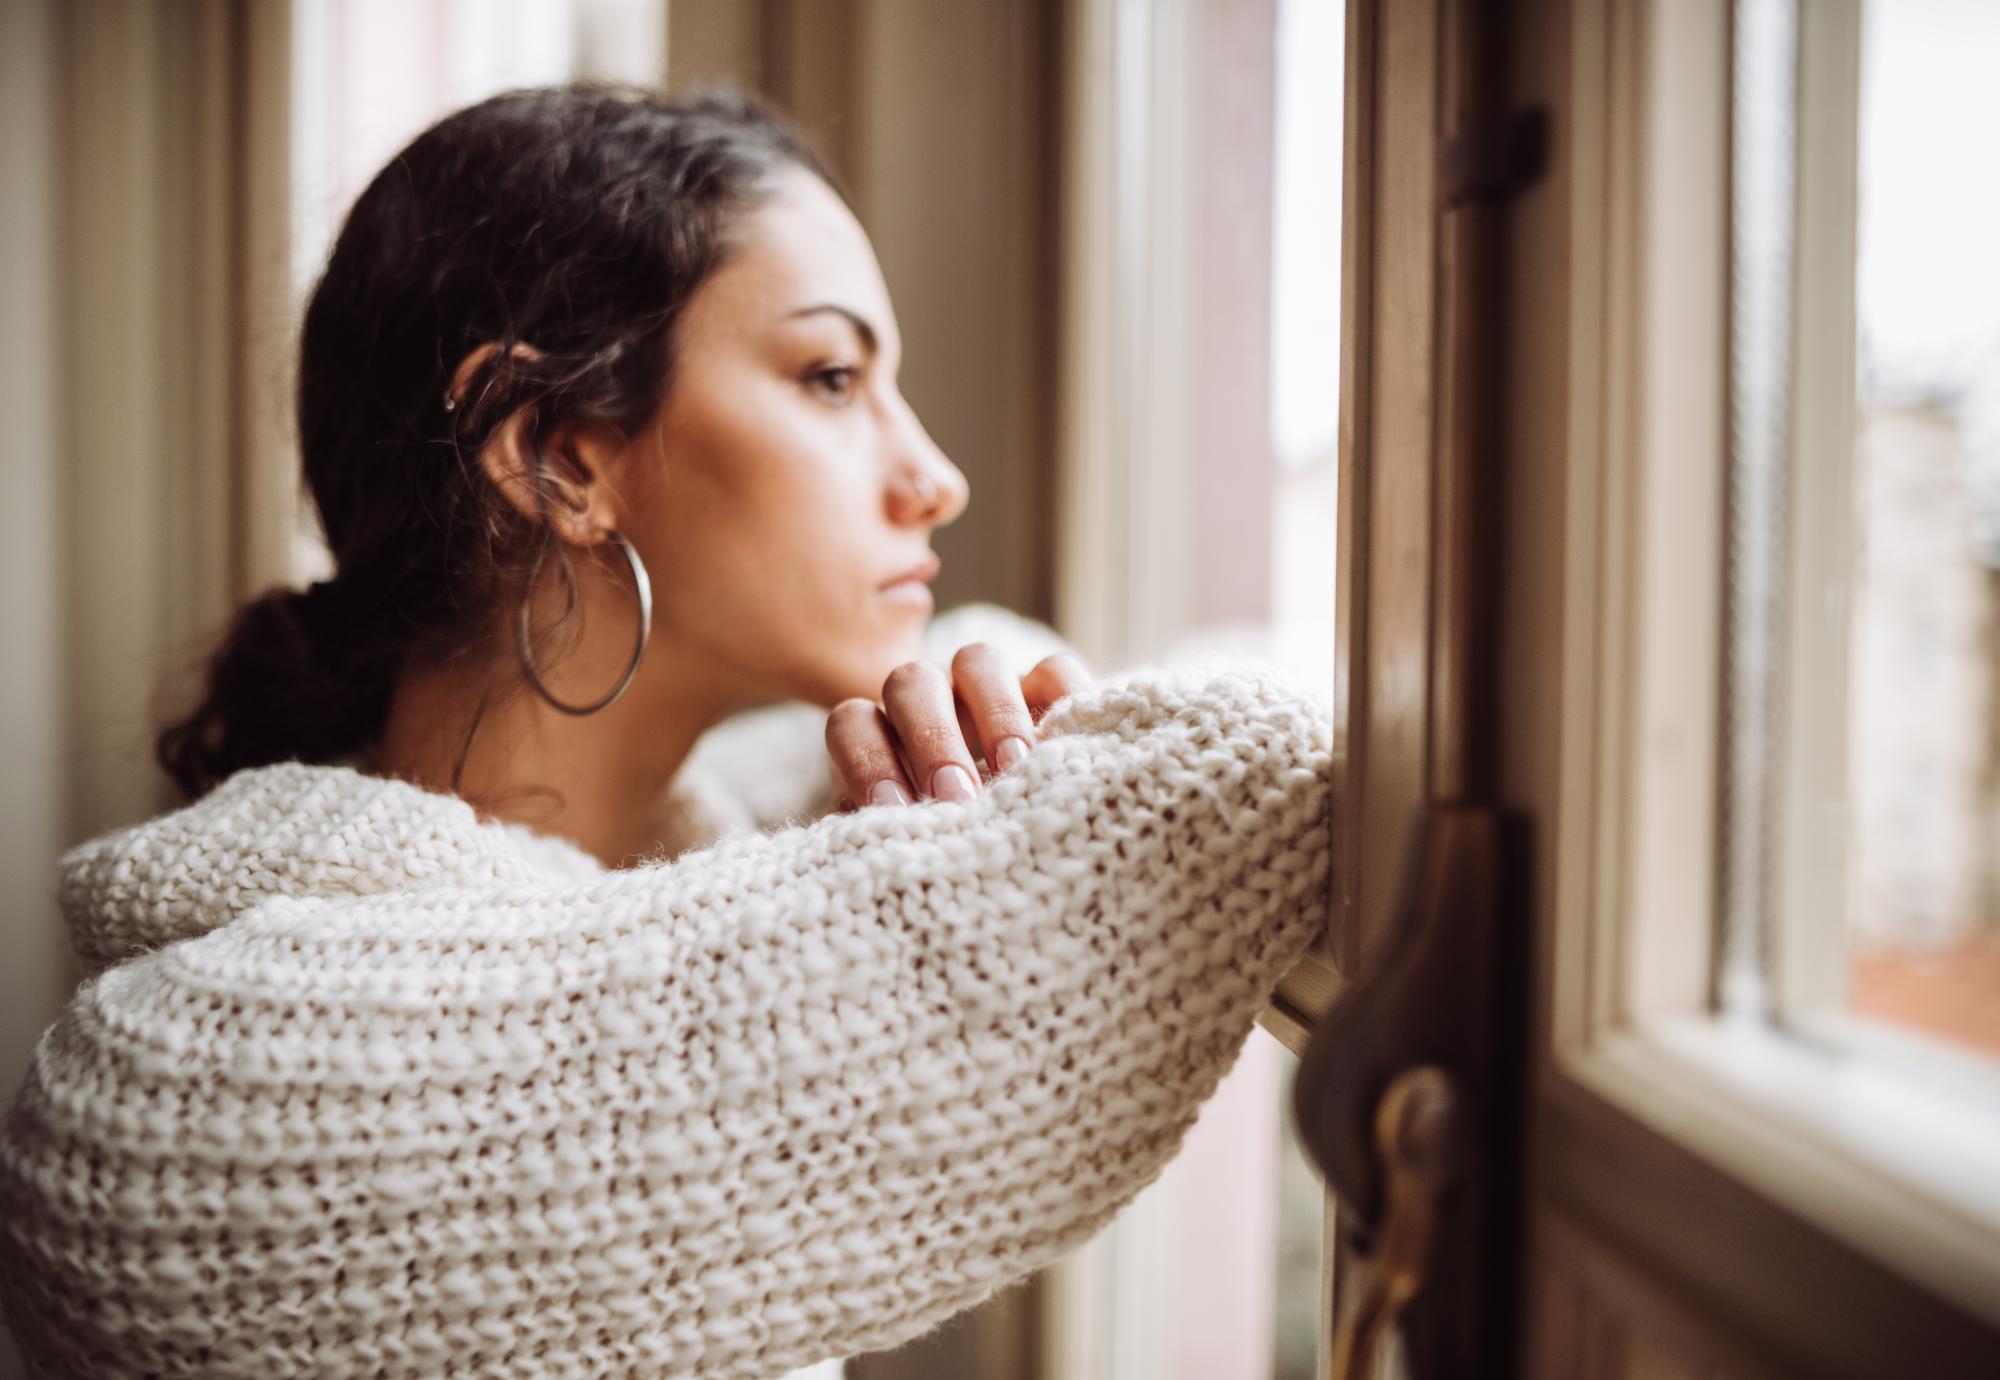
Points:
[[912, 587], [924, 570], [912, 593]]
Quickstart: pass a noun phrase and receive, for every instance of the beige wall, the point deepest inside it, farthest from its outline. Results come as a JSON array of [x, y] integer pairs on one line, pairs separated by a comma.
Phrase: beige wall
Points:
[[34, 965], [32, 799], [142, 158]]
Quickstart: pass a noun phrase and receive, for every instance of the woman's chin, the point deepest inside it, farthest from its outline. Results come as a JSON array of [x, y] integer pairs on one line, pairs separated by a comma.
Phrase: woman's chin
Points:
[[854, 667]]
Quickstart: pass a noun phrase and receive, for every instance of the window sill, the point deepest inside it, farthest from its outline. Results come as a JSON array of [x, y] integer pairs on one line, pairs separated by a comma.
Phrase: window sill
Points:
[[1847, 1144]]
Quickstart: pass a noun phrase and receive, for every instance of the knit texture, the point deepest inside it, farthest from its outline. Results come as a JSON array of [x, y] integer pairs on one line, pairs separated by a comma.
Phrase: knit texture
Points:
[[374, 1088]]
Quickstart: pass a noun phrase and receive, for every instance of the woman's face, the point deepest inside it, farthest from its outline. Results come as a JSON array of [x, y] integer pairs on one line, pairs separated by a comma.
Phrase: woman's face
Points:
[[786, 486]]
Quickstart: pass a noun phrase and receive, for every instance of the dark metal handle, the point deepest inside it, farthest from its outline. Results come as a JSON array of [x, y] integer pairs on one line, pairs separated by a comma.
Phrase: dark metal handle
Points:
[[1406, 1098]]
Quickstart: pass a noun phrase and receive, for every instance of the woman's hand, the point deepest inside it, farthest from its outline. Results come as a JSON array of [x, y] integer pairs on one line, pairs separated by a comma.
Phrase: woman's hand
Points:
[[933, 730]]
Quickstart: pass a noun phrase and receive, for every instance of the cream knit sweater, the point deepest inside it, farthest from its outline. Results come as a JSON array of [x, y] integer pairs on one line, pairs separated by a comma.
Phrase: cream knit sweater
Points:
[[371, 1087]]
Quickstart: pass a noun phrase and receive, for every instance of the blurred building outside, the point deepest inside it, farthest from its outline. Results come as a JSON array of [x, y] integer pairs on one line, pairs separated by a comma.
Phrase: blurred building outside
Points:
[[1924, 917]]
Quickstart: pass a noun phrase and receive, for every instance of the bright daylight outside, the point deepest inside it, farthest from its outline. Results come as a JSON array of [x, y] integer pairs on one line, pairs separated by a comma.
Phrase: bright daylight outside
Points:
[[1924, 913]]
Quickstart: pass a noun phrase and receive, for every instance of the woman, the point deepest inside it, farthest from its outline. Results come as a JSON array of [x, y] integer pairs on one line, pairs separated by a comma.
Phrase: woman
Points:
[[410, 1049]]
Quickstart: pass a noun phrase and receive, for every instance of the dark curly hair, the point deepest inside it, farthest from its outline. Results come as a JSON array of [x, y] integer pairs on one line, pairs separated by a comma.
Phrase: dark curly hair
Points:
[[576, 221]]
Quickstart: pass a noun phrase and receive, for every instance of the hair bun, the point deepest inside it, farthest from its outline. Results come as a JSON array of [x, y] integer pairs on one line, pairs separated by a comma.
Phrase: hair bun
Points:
[[282, 687], [320, 602]]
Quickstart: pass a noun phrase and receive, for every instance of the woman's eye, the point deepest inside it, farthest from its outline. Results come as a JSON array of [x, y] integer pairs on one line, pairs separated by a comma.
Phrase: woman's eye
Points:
[[835, 382]]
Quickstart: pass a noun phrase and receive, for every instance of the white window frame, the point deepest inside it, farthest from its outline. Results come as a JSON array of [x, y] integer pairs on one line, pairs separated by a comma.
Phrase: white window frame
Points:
[[1879, 1168]]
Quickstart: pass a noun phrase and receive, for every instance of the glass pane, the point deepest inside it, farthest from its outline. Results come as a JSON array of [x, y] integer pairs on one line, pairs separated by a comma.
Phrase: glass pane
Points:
[[1861, 784], [1925, 909]]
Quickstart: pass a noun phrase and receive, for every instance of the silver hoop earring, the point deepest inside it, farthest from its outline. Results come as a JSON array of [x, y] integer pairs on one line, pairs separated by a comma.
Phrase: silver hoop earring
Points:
[[524, 642]]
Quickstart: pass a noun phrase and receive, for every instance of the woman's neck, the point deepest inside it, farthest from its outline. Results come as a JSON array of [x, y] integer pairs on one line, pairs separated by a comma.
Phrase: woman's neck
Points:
[[595, 780]]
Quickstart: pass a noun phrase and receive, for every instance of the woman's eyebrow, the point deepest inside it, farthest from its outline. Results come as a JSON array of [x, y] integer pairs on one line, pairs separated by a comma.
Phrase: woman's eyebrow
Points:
[[869, 340]]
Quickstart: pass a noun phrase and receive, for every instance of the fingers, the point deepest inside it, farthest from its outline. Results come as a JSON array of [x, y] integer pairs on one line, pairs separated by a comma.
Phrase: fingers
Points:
[[917, 697], [1053, 678], [925, 740], [992, 703], [862, 748]]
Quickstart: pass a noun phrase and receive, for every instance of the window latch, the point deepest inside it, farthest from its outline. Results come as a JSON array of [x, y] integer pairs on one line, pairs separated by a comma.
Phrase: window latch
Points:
[[1414, 1141], [1407, 1098]]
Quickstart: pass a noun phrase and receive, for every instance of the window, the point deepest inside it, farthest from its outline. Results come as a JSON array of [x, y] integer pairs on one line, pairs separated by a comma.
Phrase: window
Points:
[[1758, 1154], [1860, 890], [1923, 911], [1201, 427]]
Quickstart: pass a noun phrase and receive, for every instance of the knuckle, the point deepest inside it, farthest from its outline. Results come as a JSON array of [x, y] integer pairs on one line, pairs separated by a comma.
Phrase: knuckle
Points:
[[984, 683], [911, 676], [1065, 667], [849, 715], [851, 729]]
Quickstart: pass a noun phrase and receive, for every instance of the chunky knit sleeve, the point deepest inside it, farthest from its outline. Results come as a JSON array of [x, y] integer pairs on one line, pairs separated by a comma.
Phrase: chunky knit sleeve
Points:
[[798, 1095]]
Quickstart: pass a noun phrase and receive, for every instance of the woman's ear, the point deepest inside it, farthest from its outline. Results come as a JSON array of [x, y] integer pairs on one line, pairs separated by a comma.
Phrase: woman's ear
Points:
[[569, 488], [568, 485]]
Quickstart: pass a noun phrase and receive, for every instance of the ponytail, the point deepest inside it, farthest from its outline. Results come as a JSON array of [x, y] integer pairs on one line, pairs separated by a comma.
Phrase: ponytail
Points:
[[293, 680]]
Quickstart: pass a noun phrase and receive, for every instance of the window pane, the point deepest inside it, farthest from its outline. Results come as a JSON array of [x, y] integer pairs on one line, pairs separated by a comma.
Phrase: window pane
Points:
[[1925, 908], [1861, 782]]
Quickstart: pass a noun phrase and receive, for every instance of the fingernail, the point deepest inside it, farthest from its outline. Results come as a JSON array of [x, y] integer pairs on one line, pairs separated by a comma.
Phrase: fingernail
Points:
[[1009, 751], [887, 792], [953, 782]]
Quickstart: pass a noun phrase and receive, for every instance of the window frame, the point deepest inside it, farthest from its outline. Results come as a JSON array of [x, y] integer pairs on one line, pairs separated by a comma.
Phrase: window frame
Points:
[[1810, 900], [1890, 1257], [1134, 71]]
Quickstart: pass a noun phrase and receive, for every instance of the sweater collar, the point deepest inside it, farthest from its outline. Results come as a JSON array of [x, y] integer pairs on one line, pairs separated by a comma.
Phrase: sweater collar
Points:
[[293, 830]]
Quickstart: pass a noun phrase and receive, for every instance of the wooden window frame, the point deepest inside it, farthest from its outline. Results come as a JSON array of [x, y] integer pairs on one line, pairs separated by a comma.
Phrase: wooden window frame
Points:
[[1386, 541]]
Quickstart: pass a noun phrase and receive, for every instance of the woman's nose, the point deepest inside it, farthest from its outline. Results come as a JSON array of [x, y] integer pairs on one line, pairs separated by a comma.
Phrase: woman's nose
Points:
[[927, 489]]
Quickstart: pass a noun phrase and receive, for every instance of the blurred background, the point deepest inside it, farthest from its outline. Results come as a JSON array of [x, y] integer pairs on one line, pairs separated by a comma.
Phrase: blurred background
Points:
[[1924, 717], [1110, 229]]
